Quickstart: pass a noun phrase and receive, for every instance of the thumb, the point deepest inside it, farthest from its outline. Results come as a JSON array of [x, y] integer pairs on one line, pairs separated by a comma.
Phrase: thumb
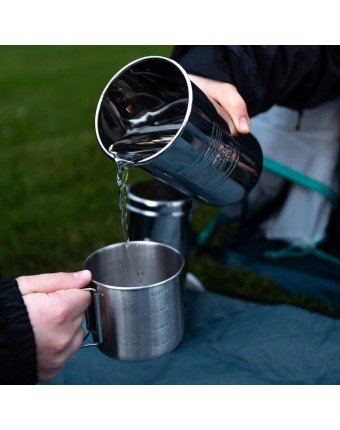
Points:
[[49, 282], [231, 100]]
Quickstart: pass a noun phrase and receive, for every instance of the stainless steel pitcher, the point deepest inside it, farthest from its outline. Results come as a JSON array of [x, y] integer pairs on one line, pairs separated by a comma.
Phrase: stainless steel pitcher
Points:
[[152, 116], [160, 213], [132, 320]]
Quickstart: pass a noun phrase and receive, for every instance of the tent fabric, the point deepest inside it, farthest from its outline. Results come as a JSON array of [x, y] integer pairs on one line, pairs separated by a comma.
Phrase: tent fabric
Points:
[[228, 341]]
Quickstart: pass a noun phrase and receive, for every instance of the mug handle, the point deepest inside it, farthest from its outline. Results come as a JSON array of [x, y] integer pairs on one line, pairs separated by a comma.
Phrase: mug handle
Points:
[[93, 319]]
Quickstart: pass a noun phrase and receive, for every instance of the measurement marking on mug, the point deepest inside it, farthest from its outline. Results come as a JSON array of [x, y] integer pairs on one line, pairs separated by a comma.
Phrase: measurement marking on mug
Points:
[[159, 326], [161, 342], [163, 308], [161, 292]]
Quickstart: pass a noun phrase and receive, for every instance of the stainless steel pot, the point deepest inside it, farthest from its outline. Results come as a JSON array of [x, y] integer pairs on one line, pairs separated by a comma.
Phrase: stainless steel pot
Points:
[[152, 116], [160, 213], [132, 320]]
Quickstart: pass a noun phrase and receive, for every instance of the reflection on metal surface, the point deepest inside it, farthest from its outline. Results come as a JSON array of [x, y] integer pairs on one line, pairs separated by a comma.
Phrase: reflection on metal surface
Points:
[[160, 213], [136, 322]]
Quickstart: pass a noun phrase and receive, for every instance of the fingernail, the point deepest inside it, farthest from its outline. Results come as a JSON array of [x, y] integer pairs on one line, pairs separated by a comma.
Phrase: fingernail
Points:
[[244, 124], [82, 275]]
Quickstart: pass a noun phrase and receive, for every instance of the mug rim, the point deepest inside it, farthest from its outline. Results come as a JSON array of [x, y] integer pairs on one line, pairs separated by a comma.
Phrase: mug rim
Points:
[[144, 243]]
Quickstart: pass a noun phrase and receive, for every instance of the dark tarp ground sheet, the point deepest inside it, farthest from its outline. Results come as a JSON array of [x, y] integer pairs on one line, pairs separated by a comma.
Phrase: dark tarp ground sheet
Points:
[[228, 341]]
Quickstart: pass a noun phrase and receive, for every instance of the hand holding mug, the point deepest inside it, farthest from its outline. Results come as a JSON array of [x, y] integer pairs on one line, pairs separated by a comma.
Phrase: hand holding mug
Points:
[[56, 304]]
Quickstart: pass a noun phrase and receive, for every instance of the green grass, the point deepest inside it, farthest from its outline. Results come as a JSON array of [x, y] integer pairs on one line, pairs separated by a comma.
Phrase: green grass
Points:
[[58, 194]]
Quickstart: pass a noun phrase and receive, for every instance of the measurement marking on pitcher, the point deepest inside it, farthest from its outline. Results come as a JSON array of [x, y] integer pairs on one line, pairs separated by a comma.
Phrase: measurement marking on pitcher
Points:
[[217, 162]]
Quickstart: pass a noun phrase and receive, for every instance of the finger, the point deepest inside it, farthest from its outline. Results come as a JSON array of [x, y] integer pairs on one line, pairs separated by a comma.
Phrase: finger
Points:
[[76, 343], [49, 282], [211, 90], [231, 100], [48, 374], [58, 360], [224, 114], [73, 303], [78, 321], [44, 376]]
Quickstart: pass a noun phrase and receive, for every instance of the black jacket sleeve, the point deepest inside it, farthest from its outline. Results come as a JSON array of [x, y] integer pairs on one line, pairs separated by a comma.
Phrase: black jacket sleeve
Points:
[[296, 77], [17, 345]]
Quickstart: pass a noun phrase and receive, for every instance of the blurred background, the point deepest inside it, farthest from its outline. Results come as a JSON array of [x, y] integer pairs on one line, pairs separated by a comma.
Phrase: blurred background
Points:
[[58, 193], [59, 198]]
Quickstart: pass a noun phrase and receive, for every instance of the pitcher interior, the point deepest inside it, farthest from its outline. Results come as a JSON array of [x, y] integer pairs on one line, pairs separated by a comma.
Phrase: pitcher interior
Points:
[[142, 109]]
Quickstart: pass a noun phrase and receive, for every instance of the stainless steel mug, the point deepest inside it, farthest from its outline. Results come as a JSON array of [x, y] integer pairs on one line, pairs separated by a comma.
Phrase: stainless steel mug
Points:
[[151, 115], [136, 317], [160, 213]]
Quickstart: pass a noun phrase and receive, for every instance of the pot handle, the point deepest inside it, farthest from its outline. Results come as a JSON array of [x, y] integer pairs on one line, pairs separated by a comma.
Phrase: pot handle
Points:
[[93, 319]]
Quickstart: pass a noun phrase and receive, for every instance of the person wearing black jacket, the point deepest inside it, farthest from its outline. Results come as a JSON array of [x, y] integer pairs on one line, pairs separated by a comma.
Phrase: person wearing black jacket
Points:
[[296, 77], [243, 81], [40, 316]]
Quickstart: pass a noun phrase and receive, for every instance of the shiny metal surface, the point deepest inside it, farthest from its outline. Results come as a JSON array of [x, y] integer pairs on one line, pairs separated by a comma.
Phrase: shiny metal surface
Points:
[[139, 321], [152, 116], [160, 213], [94, 319]]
